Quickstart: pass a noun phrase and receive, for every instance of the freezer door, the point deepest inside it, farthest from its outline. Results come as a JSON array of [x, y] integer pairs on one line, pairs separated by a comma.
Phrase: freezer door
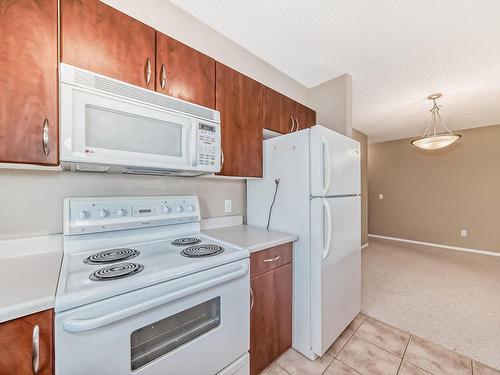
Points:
[[335, 163], [335, 268]]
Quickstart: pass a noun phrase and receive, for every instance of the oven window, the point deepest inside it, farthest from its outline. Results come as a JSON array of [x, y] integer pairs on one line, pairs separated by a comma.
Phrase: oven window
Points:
[[114, 130], [163, 336]]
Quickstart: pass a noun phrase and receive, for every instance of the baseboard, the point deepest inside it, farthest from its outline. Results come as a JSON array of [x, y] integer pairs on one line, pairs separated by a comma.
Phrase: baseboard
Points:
[[456, 248], [365, 245]]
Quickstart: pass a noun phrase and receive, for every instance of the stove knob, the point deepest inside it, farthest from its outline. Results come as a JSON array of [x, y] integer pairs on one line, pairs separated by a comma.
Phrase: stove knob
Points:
[[190, 208], [102, 213], [166, 209], [83, 214], [121, 212], [179, 209]]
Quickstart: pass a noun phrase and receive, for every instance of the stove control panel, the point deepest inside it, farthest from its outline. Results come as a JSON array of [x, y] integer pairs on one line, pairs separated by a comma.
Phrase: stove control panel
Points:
[[103, 214]]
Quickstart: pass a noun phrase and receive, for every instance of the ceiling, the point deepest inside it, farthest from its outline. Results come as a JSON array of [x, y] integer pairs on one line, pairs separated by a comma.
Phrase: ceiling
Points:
[[397, 51]]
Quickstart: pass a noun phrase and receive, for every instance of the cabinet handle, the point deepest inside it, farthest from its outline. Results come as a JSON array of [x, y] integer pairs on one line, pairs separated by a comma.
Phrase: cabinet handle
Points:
[[148, 71], [221, 158], [272, 259], [298, 124], [163, 74], [45, 137], [35, 350], [252, 299], [293, 124]]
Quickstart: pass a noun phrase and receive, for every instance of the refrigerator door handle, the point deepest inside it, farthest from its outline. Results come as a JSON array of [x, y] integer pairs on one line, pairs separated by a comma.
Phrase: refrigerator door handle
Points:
[[328, 227], [327, 173]]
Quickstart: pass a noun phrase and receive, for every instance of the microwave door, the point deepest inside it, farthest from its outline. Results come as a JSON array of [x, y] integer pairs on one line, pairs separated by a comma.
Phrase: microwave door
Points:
[[120, 132]]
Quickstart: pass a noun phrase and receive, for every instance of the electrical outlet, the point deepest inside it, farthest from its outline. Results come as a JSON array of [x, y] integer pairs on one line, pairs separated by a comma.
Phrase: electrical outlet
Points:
[[463, 232], [227, 205], [381, 196]]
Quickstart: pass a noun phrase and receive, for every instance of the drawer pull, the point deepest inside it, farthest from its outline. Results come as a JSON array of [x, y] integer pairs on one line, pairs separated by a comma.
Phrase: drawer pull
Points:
[[272, 259], [35, 350]]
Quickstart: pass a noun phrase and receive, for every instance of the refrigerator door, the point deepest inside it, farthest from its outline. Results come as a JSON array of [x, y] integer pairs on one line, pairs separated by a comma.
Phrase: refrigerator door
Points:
[[335, 268], [335, 163]]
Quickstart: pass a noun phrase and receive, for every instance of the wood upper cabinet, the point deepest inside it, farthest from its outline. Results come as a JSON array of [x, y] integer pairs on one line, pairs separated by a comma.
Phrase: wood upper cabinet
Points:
[[28, 82], [183, 72], [99, 38], [278, 111], [305, 117], [18, 348], [239, 100], [285, 115], [271, 312]]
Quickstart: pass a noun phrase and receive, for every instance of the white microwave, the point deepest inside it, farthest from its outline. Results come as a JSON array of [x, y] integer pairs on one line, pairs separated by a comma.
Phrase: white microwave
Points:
[[110, 126]]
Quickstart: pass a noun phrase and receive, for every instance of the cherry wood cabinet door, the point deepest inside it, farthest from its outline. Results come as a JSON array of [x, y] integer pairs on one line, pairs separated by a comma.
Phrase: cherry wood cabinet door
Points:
[[278, 111], [28, 82], [270, 317], [183, 72], [99, 38], [16, 344], [305, 116], [239, 100]]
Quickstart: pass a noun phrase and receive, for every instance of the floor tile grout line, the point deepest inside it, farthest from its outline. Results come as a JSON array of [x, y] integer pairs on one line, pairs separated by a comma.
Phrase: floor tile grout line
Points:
[[343, 346], [389, 325], [371, 343], [281, 367], [422, 338], [345, 364], [403, 356]]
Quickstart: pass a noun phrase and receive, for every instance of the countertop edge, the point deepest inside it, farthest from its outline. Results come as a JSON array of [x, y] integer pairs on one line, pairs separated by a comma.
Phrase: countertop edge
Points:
[[22, 309], [267, 245]]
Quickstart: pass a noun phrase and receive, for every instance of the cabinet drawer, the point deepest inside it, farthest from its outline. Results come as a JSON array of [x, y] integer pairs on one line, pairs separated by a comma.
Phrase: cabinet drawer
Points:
[[268, 259]]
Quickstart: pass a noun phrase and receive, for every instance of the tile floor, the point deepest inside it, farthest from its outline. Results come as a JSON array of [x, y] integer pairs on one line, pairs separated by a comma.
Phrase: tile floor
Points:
[[370, 347]]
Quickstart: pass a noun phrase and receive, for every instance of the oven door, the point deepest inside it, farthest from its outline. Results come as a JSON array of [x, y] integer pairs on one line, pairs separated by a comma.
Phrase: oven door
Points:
[[102, 129], [197, 324]]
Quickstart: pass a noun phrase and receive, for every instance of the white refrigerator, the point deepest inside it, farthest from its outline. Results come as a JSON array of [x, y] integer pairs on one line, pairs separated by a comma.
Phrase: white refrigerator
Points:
[[311, 187]]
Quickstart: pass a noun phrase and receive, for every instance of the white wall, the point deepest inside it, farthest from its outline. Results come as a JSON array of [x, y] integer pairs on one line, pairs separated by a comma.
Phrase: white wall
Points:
[[332, 101], [31, 202]]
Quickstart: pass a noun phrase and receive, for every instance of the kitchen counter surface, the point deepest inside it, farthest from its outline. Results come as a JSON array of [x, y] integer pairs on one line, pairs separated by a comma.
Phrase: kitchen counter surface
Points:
[[253, 238], [30, 269]]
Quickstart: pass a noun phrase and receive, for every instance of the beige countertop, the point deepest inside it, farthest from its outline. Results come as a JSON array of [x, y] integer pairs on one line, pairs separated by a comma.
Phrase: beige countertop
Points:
[[30, 270], [31, 265], [253, 238]]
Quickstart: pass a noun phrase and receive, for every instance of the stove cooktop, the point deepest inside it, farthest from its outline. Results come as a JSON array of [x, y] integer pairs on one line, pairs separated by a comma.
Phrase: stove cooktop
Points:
[[89, 276]]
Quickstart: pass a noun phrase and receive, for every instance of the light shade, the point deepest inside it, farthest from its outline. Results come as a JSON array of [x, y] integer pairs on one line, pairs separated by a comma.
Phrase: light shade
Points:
[[435, 142]]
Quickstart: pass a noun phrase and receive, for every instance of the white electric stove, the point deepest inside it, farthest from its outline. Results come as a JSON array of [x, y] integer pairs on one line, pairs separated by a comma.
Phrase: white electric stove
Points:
[[142, 291]]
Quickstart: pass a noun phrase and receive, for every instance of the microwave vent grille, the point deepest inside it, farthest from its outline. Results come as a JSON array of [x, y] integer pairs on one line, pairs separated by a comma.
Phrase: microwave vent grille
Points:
[[128, 91]]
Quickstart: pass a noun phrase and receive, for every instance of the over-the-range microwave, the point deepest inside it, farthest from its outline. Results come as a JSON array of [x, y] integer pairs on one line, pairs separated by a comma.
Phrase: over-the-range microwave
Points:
[[111, 126]]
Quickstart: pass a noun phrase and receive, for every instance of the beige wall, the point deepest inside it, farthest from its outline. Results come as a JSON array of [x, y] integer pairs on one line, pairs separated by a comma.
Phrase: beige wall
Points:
[[431, 196], [332, 101], [31, 201], [363, 140]]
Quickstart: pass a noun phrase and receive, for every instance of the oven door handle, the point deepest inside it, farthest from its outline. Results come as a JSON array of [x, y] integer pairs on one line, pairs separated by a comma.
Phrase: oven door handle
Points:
[[80, 325]]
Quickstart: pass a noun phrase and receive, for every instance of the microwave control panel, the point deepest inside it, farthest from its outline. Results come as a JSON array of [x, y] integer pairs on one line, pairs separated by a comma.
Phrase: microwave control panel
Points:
[[207, 143]]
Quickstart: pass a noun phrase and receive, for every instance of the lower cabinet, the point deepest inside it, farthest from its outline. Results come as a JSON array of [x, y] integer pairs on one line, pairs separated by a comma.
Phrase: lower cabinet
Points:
[[26, 349], [271, 308]]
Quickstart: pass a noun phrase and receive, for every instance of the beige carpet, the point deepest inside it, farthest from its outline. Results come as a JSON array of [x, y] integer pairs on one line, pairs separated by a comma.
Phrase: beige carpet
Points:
[[449, 297]]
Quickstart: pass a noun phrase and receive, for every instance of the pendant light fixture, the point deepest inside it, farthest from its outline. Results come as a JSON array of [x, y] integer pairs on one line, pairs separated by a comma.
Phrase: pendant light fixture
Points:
[[432, 139]]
